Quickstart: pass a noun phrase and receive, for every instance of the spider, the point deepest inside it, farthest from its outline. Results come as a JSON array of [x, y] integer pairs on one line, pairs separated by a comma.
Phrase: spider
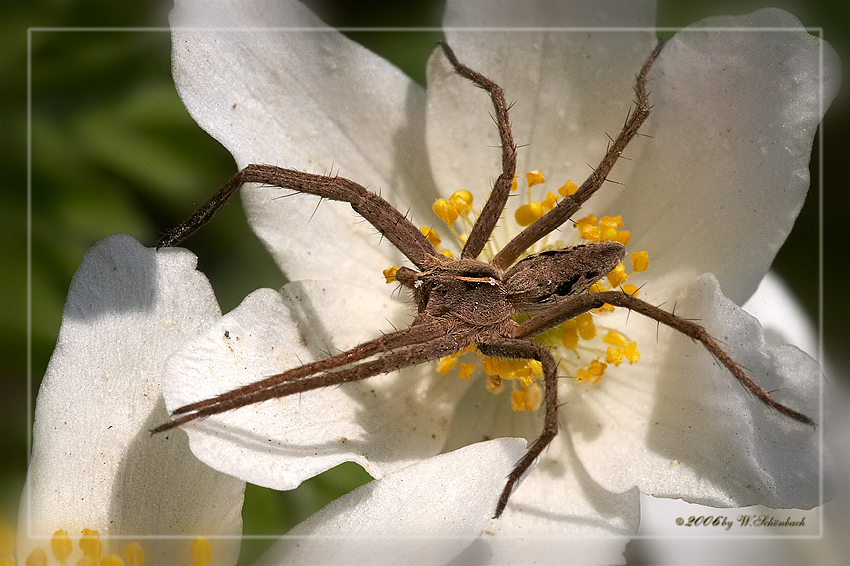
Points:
[[464, 302]]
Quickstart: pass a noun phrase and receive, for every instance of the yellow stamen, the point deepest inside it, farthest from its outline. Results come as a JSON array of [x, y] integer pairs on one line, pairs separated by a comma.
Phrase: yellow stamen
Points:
[[390, 274], [448, 254], [201, 552], [432, 235], [549, 202], [112, 560], [37, 558], [518, 400], [61, 546], [466, 371], [640, 261], [570, 338], [91, 546], [615, 339], [444, 211], [568, 189], [514, 184], [134, 554], [586, 328], [624, 237], [534, 178], [446, 364], [528, 214], [614, 355], [631, 352], [630, 289], [461, 201], [617, 275]]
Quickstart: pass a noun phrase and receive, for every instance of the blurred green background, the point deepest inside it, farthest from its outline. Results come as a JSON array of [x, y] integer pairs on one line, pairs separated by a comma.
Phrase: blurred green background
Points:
[[113, 150]]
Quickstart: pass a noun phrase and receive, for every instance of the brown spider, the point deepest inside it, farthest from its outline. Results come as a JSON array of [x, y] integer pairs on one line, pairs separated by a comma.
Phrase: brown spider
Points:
[[464, 301]]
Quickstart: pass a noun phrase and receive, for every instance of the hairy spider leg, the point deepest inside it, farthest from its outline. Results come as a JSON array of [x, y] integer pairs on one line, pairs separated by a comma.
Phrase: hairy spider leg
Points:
[[399, 358], [565, 209], [378, 212], [575, 305], [525, 349], [489, 216]]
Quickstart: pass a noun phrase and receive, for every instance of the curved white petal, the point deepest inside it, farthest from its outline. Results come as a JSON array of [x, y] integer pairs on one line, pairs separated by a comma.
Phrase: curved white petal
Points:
[[94, 463], [568, 88], [688, 429], [423, 514], [275, 85], [383, 423], [783, 319], [735, 111]]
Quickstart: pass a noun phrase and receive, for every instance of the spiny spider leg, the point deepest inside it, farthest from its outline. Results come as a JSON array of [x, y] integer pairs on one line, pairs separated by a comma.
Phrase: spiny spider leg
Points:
[[564, 210], [489, 216], [405, 356], [527, 350], [577, 304], [415, 334], [382, 215]]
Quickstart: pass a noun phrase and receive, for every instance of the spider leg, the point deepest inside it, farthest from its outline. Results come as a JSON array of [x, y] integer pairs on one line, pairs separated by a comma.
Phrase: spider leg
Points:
[[577, 304], [489, 216], [570, 205], [525, 349], [409, 350], [378, 212]]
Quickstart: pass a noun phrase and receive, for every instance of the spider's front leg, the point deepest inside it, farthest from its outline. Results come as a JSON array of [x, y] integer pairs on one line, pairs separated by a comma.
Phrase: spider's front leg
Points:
[[527, 350], [578, 304], [382, 215]]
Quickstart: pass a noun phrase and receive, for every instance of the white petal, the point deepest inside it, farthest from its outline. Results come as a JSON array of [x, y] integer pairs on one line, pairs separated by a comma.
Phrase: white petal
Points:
[[782, 317], [94, 463], [275, 85], [424, 514], [688, 429], [382, 423], [570, 88], [735, 113]]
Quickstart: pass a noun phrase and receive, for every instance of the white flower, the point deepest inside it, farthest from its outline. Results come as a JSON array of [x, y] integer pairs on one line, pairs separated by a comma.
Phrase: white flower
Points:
[[94, 463], [710, 195]]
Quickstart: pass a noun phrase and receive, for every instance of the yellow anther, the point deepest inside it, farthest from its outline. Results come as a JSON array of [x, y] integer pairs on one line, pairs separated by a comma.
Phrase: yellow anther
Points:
[[514, 184], [466, 371], [528, 214], [533, 397], [134, 554], [37, 558], [536, 368], [589, 220], [617, 275], [630, 289], [432, 235], [446, 364], [461, 201], [614, 355], [444, 211], [624, 237], [568, 189], [586, 327], [640, 261], [615, 221], [615, 339], [570, 338], [90, 545], [448, 254], [518, 400], [549, 202], [631, 352], [494, 384], [596, 288], [585, 376], [112, 560], [390, 274], [61, 546], [534, 178], [605, 308], [590, 232], [201, 552]]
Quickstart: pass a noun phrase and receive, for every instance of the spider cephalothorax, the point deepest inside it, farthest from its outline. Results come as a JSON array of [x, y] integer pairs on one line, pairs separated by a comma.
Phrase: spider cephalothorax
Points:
[[466, 302]]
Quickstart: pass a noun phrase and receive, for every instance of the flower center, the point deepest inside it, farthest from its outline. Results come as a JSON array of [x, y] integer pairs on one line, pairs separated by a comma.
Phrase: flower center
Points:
[[91, 546], [580, 349]]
